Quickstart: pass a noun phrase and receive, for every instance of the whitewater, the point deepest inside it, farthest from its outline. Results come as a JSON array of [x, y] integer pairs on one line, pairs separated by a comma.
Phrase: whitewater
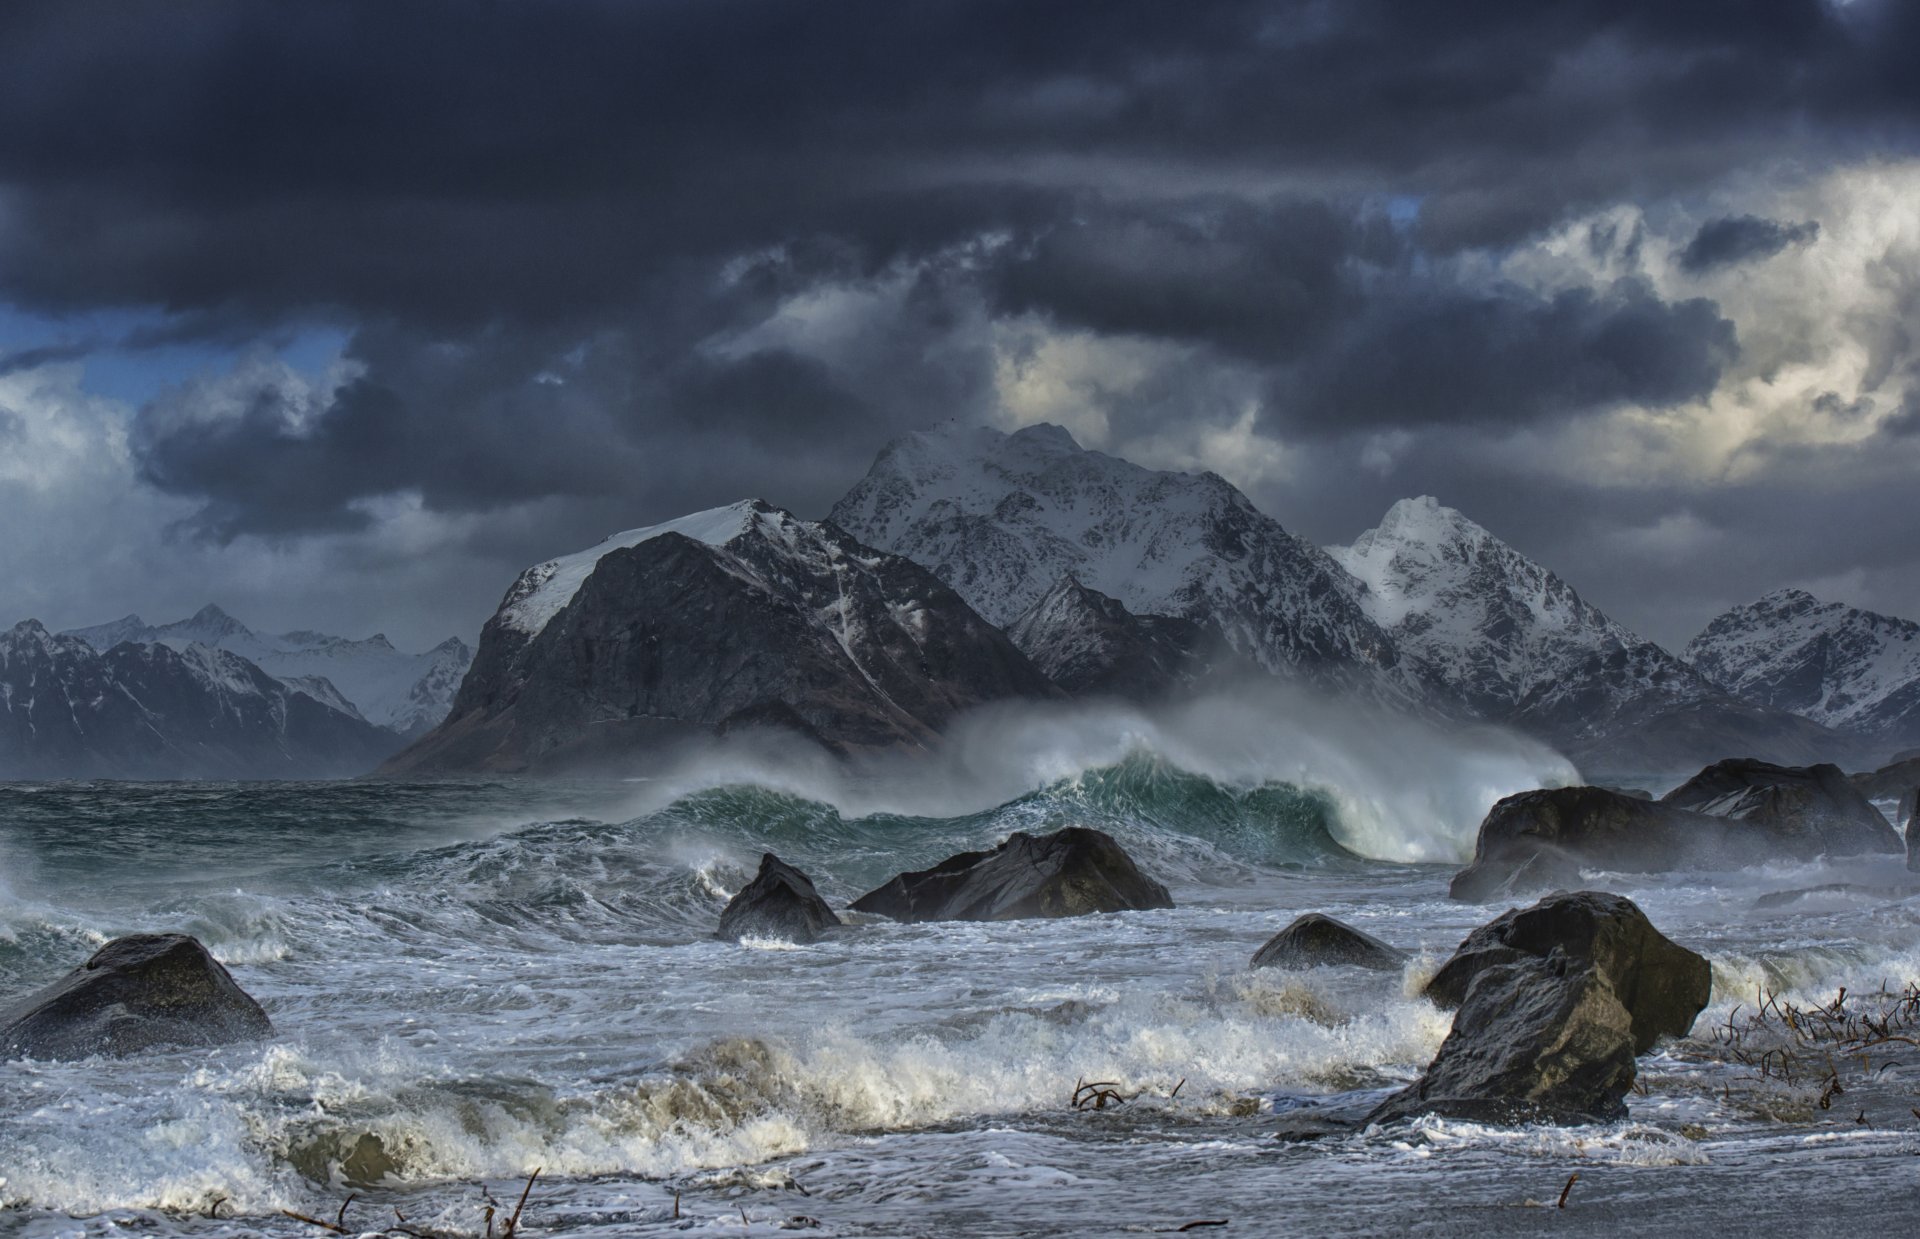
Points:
[[471, 981]]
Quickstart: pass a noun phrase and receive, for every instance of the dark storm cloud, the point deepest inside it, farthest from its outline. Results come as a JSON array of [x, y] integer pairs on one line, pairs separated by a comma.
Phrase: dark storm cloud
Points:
[[1734, 239], [496, 196]]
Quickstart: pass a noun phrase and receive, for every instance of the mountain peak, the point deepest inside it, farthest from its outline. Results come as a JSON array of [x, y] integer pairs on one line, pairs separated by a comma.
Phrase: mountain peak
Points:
[[544, 590], [211, 619]]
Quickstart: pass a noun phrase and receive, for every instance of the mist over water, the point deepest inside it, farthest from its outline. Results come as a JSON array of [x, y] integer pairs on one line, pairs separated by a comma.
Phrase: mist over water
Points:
[[472, 980]]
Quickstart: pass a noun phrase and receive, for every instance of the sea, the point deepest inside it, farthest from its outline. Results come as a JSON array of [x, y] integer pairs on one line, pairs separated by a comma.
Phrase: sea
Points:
[[500, 1008]]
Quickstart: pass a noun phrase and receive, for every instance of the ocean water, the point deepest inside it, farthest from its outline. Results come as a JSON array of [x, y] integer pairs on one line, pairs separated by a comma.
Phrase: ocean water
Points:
[[472, 981]]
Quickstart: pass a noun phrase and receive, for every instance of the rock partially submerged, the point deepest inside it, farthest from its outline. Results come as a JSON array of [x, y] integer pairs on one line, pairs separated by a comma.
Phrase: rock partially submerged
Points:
[[1071, 872], [1542, 839], [1802, 811], [136, 993], [780, 903], [1314, 941], [1736, 812], [1662, 984], [1555, 1002]]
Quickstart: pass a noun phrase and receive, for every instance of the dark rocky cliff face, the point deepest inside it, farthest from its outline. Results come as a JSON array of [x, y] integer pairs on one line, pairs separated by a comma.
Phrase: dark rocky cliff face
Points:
[[147, 711], [786, 623]]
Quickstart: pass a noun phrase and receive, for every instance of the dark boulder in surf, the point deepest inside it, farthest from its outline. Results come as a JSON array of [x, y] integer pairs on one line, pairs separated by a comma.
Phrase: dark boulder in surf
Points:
[[1797, 812], [1662, 984], [1315, 941], [781, 903], [1555, 1002], [1071, 872], [1541, 839], [141, 992]]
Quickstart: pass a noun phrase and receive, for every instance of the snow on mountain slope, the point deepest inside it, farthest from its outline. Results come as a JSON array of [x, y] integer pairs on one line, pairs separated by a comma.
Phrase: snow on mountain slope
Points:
[[545, 589], [1003, 517], [1850, 669], [407, 693], [1483, 624], [1495, 636], [1090, 645], [153, 711], [665, 634]]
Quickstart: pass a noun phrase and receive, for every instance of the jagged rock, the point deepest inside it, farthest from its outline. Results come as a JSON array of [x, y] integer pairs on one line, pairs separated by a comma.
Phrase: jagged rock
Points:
[[136, 993], [1071, 872], [1663, 985], [1803, 811], [1541, 839], [151, 711], [1891, 781], [780, 902], [1092, 646], [744, 614], [1555, 1001], [1314, 941]]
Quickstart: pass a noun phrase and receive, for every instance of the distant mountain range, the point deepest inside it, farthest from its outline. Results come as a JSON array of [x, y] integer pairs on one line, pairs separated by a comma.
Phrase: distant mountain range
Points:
[[970, 567], [1109, 579], [405, 693], [150, 711]]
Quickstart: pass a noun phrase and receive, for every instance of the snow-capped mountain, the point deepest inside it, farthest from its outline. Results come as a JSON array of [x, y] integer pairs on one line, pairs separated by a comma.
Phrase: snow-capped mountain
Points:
[[741, 615], [407, 693], [1492, 634], [1003, 517], [1090, 645], [155, 711], [1853, 670]]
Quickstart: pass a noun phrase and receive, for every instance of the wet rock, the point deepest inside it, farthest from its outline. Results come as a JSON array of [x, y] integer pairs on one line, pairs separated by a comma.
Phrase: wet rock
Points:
[[136, 993], [1555, 1001], [781, 903], [1071, 872], [1733, 813], [1541, 839], [1314, 941], [1801, 811], [1662, 984]]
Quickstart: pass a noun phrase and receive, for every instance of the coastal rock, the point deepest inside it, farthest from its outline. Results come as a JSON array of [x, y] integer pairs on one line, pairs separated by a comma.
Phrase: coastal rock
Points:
[[1803, 811], [136, 993], [1540, 839], [1662, 985], [1736, 812], [1555, 1001], [781, 903], [1071, 872], [1314, 941]]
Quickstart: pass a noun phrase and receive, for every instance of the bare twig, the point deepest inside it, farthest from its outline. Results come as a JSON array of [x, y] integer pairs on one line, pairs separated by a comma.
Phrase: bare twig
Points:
[[1571, 1180]]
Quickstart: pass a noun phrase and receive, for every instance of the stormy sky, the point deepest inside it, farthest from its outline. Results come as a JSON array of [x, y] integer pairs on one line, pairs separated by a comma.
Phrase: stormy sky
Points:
[[339, 314]]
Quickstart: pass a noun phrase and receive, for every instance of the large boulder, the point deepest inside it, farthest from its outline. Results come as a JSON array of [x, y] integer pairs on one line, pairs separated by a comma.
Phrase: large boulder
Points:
[[1314, 941], [780, 902], [136, 993], [1541, 839], [1799, 811], [1662, 984], [1555, 1001], [1070, 872]]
